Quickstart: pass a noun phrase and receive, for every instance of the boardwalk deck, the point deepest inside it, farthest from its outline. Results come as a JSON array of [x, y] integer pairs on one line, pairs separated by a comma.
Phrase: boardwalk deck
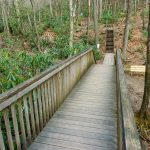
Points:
[[87, 120]]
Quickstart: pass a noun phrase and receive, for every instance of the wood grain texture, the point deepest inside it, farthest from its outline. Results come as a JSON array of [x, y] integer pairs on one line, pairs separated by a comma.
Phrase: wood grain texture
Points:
[[129, 138], [38, 99], [88, 117]]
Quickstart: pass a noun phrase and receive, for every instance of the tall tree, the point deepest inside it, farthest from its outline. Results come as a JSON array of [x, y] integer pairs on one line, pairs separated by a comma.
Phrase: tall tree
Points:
[[71, 24], [127, 29], [89, 18], [146, 97], [96, 23]]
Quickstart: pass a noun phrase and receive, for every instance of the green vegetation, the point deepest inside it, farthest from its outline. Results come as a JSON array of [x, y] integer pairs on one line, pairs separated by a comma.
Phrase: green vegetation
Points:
[[18, 66], [27, 49]]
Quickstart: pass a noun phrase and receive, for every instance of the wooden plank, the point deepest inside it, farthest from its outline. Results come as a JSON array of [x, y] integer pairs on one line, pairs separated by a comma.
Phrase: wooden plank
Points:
[[81, 133], [40, 107], [43, 104], [130, 135], [22, 124], [49, 99], [2, 145], [80, 127], [32, 115], [27, 118], [52, 95], [40, 146], [88, 114], [15, 124], [78, 139], [68, 144], [46, 101], [36, 110], [84, 124], [76, 114], [8, 129]]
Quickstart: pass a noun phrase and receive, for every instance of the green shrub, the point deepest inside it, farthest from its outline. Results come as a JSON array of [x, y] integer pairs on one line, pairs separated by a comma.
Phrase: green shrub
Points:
[[97, 54], [107, 17], [18, 66]]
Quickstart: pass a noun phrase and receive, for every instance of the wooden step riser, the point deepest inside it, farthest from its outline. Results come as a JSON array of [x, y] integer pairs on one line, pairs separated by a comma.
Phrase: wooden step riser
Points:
[[109, 41]]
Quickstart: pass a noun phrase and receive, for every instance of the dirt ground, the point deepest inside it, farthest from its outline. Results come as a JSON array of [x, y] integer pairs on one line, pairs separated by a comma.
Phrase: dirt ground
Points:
[[135, 89]]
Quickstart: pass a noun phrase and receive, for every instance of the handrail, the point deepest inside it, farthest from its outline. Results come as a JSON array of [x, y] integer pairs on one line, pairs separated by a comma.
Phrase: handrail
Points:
[[30, 81], [128, 135], [26, 109]]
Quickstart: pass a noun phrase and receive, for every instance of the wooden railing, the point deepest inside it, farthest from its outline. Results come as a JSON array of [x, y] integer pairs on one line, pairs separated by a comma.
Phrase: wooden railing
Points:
[[26, 109], [127, 130]]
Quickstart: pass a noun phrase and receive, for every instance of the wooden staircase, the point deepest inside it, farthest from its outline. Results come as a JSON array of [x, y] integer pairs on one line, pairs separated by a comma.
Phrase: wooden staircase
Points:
[[109, 41]]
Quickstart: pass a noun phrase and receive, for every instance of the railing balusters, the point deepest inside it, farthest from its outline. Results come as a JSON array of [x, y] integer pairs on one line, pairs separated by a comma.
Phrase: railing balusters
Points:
[[22, 124], [27, 118], [8, 129], [43, 104], [49, 99], [40, 107], [55, 94], [36, 110], [46, 101], [15, 123], [2, 145], [27, 108], [32, 115], [52, 95]]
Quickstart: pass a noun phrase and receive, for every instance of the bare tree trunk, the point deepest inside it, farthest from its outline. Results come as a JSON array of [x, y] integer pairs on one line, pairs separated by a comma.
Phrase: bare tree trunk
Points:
[[18, 13], [35, 25], [143, 16], [146, 97], [101, 9], [127, 29], [89, 19], [50, 8], [71, 24], [6, 26], [96, 24], [125, 5]]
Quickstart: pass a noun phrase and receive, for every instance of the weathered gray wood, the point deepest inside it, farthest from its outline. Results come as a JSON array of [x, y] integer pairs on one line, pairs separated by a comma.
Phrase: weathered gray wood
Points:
[[11, 96], [130, 138], [32, 115], [78, 121], [50, 72], [46, 101], [49, 99], [2, 146], [43, 104], [8, 129], [27, 118], [78, 139], [38, 98], [22, 124], [36, 110], [15, 123], [40, 146], [69, 144], [80, 127], [40, 107]]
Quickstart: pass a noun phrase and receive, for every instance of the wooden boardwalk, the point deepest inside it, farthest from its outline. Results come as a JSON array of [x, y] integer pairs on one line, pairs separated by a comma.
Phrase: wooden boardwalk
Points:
[[87, 120], [109, 59]]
